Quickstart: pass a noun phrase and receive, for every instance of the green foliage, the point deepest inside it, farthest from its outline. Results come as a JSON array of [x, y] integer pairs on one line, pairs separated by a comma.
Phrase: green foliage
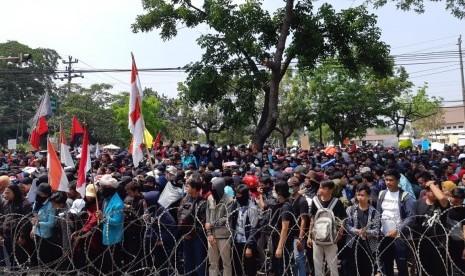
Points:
[[430, 126], [174, 127], [295, 104], [410, 107], [245, 35], [22, 85], [91, 107], [455, 7], [151, 108], [350, 105]]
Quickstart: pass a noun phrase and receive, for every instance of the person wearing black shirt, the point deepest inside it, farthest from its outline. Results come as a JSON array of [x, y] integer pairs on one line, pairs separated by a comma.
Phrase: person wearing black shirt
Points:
[[281, 240], [328, 252], [455, 217], [430, 233], [300, 212]]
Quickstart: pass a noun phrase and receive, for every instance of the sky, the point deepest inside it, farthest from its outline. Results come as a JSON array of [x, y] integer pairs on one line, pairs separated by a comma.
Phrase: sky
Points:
[[98, 34]]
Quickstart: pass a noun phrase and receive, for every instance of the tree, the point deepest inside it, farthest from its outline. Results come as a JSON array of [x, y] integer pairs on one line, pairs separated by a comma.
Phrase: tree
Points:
[[456, 7], [409, 107], [243, 36], [430, 126], [151, 108], [350, 105], [294, 107], [92, 107], [22, 85]]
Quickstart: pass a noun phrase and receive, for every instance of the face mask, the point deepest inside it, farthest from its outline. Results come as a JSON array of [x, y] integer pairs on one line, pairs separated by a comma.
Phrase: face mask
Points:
[[242, 200], [275, 195], [108, 192], [41, 199], [291, 190]]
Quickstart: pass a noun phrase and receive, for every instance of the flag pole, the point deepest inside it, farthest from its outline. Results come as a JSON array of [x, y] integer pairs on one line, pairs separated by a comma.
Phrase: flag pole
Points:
[[96, 199], [48, 169], [145, 143], [143, 130]]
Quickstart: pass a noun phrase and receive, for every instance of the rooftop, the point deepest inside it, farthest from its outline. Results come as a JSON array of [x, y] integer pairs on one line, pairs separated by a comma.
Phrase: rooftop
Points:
[[453, 115]]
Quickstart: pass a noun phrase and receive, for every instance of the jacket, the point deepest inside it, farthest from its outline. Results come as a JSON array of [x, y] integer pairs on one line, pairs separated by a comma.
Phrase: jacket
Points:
[[14, 219], [372, 228], [191, 217], [46, 218], [219, 210], [251, 225], [113, 223], [406, 210]]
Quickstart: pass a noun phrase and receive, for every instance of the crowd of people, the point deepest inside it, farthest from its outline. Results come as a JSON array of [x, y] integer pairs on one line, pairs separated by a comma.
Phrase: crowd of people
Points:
[[192, 209]]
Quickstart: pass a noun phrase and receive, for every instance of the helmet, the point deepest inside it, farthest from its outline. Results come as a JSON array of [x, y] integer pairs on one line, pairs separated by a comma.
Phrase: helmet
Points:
[[251, 181]]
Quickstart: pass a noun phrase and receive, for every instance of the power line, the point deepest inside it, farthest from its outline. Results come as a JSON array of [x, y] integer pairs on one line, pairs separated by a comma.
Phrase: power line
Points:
[[424, 42]]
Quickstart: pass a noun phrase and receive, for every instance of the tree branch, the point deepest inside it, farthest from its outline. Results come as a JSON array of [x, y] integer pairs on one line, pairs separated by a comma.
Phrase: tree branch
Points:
[[283, 34], [189, 4], [285, 65]]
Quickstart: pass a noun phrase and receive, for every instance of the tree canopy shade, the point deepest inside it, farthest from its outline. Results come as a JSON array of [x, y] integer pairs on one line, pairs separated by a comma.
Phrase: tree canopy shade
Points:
[[350, 105], [244, 37], [22, 85], [410, 107], [151, 107], [456, 7]]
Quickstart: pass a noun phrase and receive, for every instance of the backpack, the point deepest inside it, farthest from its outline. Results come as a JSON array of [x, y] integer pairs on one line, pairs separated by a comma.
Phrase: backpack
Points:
[[324, 228]]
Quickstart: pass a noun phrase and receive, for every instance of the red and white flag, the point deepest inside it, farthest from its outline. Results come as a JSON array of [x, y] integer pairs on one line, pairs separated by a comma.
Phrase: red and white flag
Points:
[[157, 141], [76, 128], [84, 165], [65, 155], [57, 176], [39, 122], [136, 123]]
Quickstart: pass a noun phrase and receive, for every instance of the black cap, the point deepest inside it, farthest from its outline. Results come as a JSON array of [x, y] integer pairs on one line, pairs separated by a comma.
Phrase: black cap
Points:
[[150, 178], [161, 167], [45, 188]]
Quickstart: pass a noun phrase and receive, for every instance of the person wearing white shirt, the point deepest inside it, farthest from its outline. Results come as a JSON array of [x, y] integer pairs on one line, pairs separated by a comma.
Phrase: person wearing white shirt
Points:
[[397, 210]]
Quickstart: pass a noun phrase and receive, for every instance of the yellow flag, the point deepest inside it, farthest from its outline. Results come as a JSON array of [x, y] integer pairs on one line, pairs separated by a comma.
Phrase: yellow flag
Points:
[[148, 138]]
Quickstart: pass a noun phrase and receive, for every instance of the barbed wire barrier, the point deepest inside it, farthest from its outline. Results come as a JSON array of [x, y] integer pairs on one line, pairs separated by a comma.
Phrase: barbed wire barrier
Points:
[[158, 247]]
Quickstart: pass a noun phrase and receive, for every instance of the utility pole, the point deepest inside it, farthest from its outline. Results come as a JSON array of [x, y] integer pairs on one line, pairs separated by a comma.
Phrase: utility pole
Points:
[[461, 75], [70, 71]]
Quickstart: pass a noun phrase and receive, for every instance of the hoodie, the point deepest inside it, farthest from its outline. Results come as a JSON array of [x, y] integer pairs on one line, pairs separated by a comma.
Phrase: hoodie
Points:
[[219, 210]]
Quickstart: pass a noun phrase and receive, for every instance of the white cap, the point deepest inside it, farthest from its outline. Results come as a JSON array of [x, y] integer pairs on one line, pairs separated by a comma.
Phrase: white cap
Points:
[[365, 169], [461, 156], [108, 180]]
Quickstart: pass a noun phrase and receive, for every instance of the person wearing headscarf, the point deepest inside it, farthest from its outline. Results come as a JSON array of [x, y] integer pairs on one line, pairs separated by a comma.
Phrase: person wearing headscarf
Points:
[[447, 187], [160, 235], [43, 222], [15, 226]]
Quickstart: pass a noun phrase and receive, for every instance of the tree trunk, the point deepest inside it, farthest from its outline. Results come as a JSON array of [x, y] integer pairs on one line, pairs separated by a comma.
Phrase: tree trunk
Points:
[[284, 139], [269, 116], [337, 138], [321, 134], [207, 135]]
